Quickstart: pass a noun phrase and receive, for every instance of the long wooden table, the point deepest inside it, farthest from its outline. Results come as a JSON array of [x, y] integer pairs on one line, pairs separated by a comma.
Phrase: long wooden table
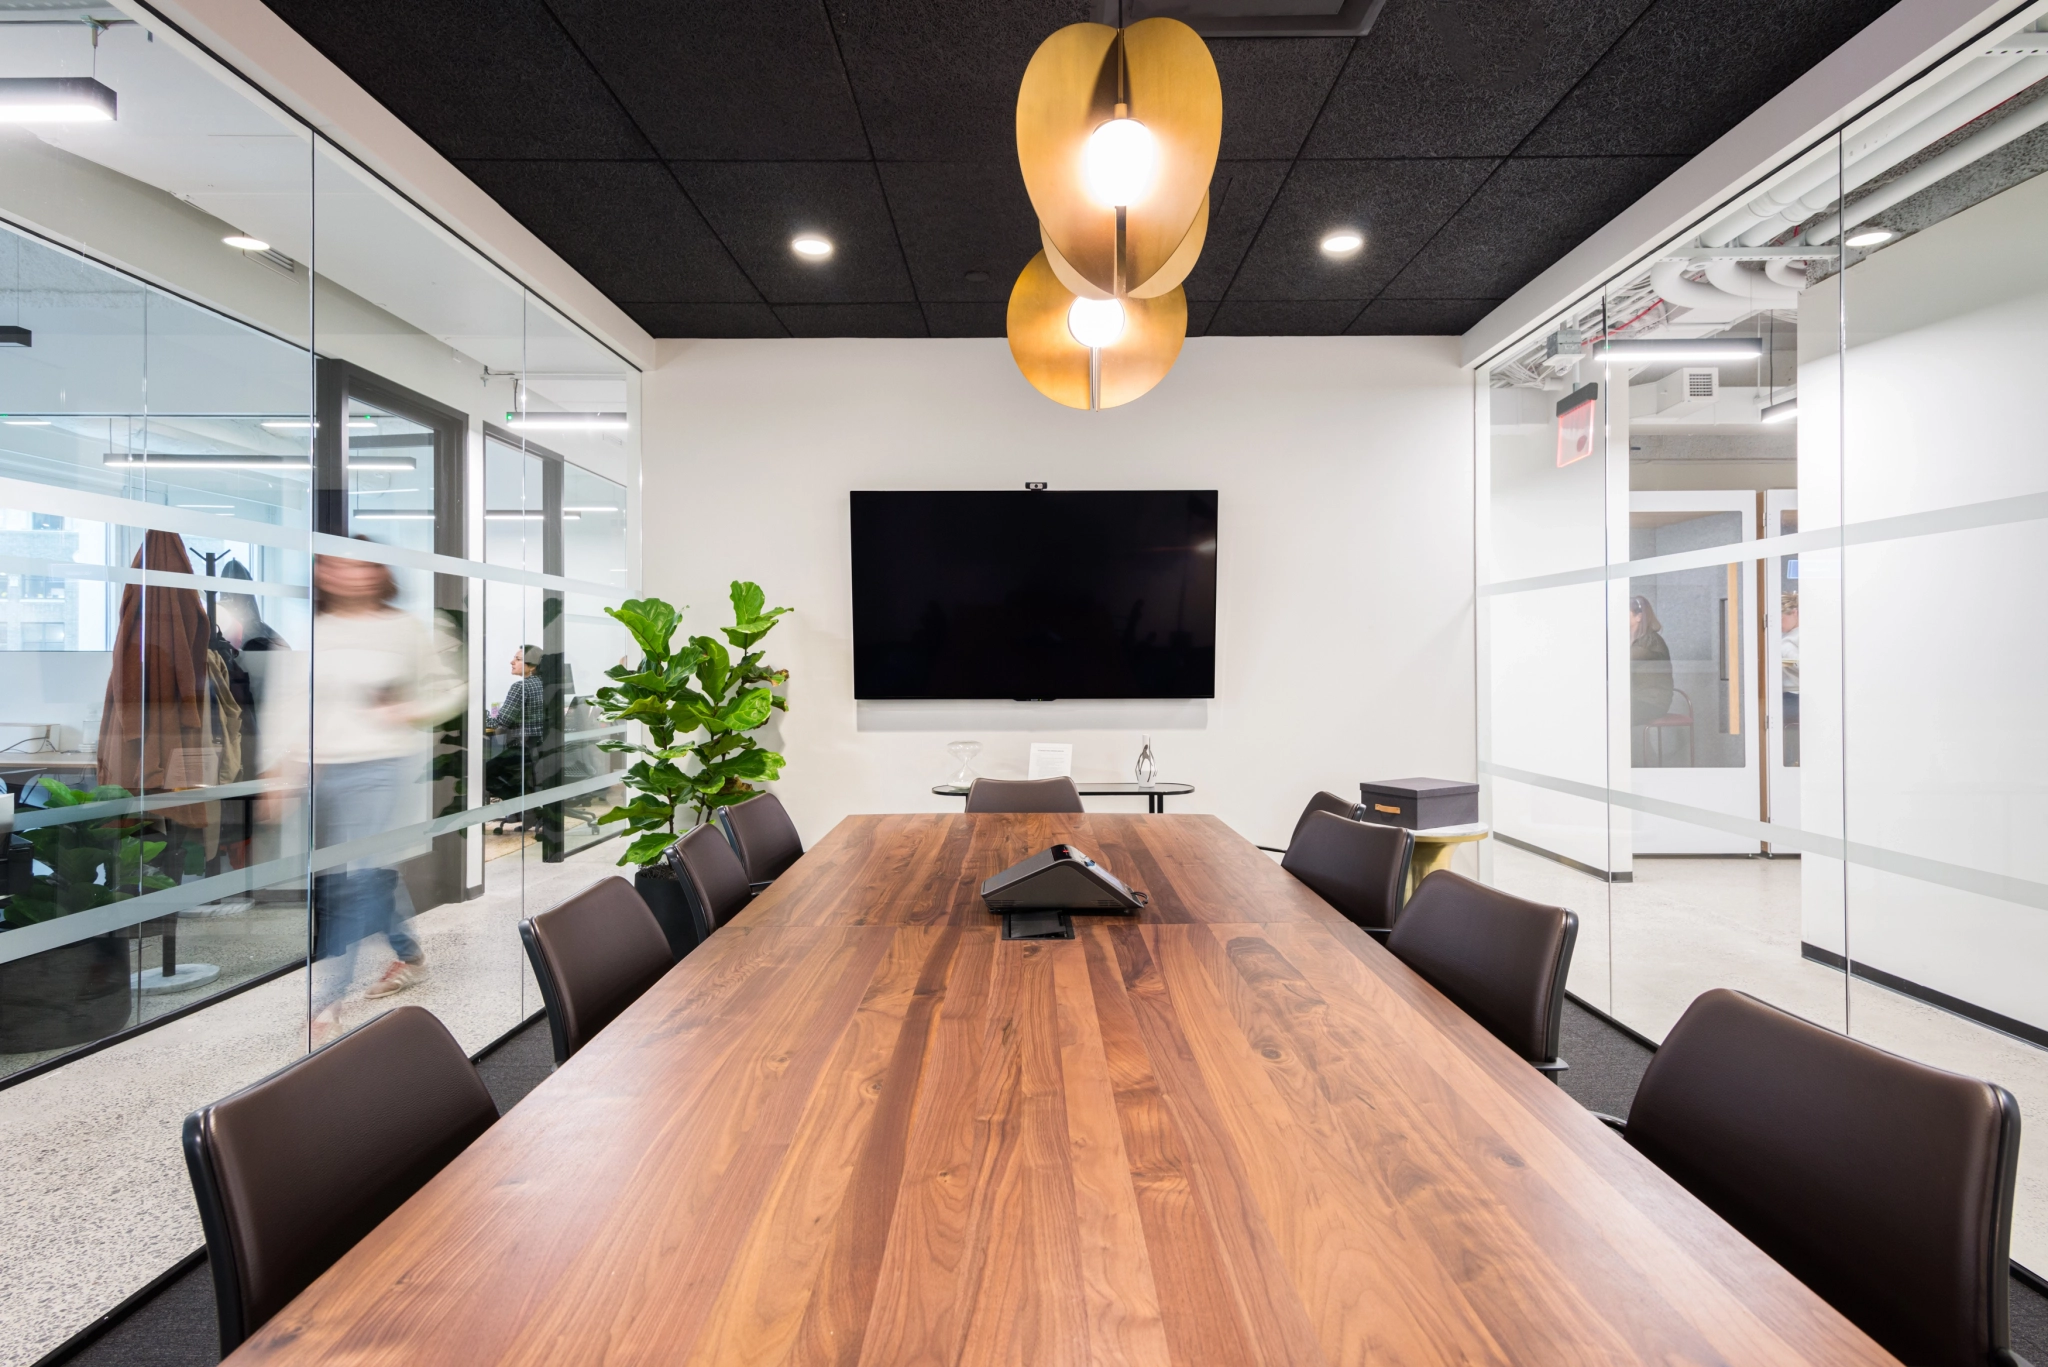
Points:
[[856, 1127]]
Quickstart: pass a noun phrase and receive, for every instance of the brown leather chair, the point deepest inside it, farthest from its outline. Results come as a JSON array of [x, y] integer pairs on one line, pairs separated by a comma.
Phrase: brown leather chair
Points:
[[763, 836], [593, 956], [714, 882], [1356, 866], [1885, 1185], [1501, 958], [291, 1172], [1023, 795]]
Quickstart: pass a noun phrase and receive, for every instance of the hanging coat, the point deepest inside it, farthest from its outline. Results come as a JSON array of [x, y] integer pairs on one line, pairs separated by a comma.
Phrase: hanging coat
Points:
[[154, 730]]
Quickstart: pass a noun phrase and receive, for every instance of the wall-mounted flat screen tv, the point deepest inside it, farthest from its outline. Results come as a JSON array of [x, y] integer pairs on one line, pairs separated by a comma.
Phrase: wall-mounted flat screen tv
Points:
[[1035, 594]]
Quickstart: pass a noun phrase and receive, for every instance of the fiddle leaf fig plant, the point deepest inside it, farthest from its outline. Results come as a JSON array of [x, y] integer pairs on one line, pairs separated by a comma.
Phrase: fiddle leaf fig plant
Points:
[[698, 705]]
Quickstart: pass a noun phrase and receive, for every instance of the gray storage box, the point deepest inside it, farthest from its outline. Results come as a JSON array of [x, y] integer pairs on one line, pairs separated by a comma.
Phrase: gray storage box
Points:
[[1420, 804]]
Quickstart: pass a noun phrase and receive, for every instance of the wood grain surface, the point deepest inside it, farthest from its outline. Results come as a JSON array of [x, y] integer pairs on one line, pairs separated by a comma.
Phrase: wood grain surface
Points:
[[856, 1127]]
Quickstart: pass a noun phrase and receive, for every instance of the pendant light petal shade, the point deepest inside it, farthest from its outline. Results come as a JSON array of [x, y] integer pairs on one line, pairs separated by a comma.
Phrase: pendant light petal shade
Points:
[[1058, 366], [1162, 71]]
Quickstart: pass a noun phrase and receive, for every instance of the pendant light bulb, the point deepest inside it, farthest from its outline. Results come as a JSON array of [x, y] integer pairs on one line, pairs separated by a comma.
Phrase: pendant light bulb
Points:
[[1096, 323], [1120, 162]]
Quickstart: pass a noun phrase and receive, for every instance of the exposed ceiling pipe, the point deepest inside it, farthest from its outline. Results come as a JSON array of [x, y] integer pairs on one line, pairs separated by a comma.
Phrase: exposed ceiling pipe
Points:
[[1973, 148], [1874, 160], [1751, 287]]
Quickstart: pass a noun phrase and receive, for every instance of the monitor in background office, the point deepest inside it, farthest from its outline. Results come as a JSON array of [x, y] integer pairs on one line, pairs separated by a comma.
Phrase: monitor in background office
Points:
[[1082, 594]]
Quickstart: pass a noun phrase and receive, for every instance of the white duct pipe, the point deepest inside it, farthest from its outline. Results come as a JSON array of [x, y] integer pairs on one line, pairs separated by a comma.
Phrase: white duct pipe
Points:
[[1880, 155], [1971, 149], [1749, 286], [1790, 274], [1820, 167]]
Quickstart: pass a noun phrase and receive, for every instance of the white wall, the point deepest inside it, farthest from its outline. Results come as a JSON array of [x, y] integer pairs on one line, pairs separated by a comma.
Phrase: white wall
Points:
[[1345, 599]]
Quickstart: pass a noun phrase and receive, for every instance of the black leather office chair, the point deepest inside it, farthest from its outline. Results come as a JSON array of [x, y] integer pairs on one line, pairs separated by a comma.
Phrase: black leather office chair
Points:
[[1023, 795], [291, 1172], [1501, 958], [763, 836], [1356, 866], [714, 882], [593, 956], [1321, 802], [1883, 1184]]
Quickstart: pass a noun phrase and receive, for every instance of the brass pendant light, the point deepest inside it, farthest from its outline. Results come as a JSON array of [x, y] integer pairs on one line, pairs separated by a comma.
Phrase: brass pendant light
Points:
[[1117, 133]]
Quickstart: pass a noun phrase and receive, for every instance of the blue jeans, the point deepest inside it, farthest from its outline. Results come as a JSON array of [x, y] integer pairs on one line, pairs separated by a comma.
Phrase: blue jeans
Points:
[[366, 897]]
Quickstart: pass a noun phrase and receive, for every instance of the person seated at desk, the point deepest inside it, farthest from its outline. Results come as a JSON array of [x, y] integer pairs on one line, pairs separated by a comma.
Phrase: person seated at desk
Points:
[[516, 727]]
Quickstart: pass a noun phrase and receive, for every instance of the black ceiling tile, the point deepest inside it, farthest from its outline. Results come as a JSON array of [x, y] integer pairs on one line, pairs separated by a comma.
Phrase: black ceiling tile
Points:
[[1200, 311], [624, 224], [706, 320], [938, 82], [1239, 197], [1531, 212], [1385, 317], [757, 207], [755, 81], [965, 318], [1272, 88], [1466, 79], [1281, 317], [1693, 69], [852, 320], [967, 227], [475, 78], [1398, 205]]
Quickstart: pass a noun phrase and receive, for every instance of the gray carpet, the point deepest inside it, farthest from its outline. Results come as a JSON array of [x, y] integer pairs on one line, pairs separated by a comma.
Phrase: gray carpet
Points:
[[175, 1328]]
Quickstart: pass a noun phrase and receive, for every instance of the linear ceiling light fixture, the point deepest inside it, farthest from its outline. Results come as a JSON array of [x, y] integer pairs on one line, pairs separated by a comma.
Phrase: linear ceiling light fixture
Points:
[[566, 422], [1647, 351], [1117, 134], [55, 99]]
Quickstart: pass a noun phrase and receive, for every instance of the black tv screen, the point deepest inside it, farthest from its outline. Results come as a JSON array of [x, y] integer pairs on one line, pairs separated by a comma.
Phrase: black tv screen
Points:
[[1107, 594]]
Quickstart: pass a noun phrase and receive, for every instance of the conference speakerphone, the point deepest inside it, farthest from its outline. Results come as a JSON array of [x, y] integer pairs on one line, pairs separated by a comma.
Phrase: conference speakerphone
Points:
[[1034, 894]]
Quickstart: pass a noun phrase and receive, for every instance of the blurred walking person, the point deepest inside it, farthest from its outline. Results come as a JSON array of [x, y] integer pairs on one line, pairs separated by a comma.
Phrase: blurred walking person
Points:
[[380, 682]]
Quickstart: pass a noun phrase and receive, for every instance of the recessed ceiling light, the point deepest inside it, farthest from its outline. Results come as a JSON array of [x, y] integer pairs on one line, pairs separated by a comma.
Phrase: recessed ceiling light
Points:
[[812, 246], [55, 99], [1870, 237], [242, 242], [1343, 242]]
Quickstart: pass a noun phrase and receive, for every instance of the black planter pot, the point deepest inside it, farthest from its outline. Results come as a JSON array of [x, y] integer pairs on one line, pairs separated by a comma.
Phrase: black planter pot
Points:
[[658, 888], [64, 997]]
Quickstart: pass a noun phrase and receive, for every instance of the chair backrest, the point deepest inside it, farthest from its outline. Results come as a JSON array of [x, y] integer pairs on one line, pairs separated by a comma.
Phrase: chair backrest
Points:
[[1885, 1185], [1023, 795], [593, 956], [292, 1171], [713, 880], [1323, 802], [763, 835], [1501, 958], [1356, 866]]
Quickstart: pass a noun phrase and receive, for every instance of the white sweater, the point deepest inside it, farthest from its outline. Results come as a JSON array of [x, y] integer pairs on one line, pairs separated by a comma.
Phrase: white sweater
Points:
[[380, 681]]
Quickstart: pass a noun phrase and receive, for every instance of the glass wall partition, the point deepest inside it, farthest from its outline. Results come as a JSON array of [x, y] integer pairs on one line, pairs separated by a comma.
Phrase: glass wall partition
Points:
[[1783, 742], [252, 405]]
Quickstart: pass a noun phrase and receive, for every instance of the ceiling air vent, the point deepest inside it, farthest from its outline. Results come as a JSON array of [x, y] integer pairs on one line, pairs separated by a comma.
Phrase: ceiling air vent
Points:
[[1251, 18]]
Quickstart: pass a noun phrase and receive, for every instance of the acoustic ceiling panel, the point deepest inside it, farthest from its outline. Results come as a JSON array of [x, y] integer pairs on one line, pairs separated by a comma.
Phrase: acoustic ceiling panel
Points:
[[1474, 141]]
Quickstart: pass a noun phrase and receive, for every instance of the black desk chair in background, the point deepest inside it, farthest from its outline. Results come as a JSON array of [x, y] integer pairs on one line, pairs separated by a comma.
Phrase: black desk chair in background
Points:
[[1885, 1185], [714, 882], [1502, 959], [1023, 795], [763, 836], [291, 1172], [1356, 866], [593, 956]]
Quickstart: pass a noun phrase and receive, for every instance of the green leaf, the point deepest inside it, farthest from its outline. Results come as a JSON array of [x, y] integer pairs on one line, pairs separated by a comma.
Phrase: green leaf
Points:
[[652, 622]]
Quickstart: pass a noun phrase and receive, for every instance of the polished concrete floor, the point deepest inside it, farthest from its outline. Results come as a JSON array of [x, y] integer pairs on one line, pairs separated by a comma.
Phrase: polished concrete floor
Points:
[[1647, 948], [97, 1203]]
